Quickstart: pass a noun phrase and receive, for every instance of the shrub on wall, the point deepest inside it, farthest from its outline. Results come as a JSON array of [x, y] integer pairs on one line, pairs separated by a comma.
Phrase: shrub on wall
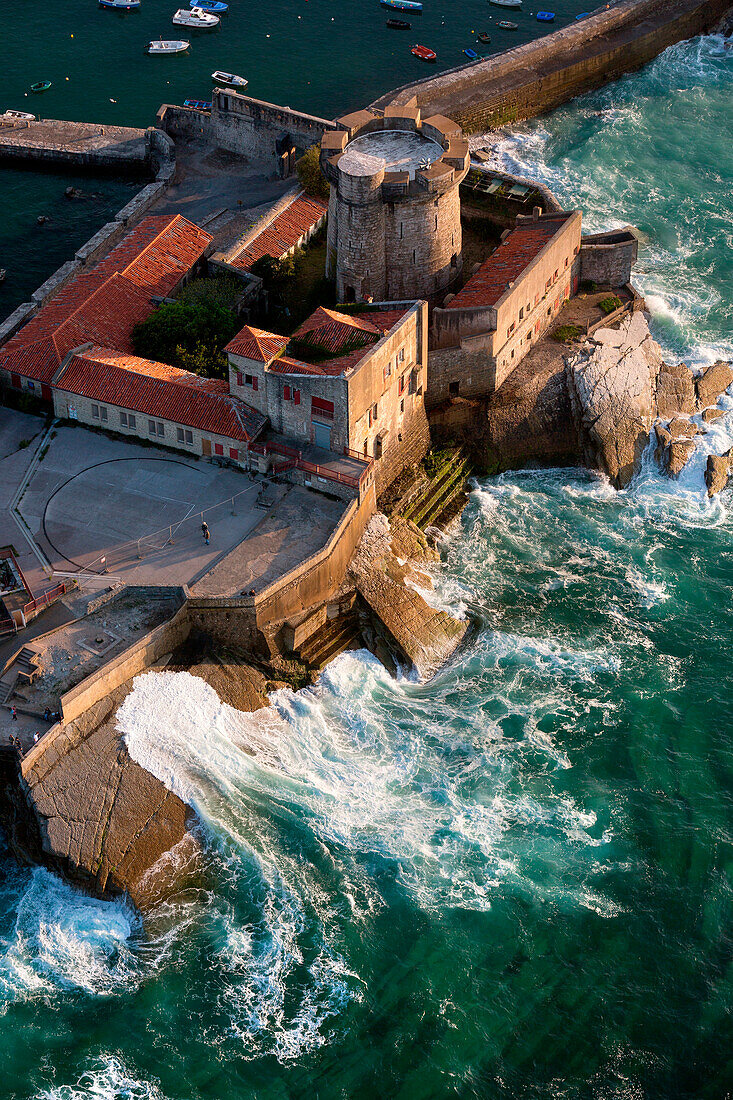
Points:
[[311, 178], [191, 332]]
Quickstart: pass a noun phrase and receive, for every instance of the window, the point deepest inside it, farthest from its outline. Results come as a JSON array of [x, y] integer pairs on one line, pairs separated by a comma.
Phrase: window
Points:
[[527, 307], [375, 412], [548, 284], [554, 277], [521, 312], [321, 408], [240, 380], [189, 436], [402, 406], [510, 330], [179, 435], [388, 370], [251, 380], [151, 427], [296, 396], [436, 223], [31, 385], [131, 421], [402, 355], [286, 393], [537, 327], [95, 412], [123, 419], [366, 448], [414, 255], [453, 388], [567, 261], [233, 453], [103, 412], [218, 449], [73, 415], [402, 230], [161, 428], [402, 383], [537, 298]]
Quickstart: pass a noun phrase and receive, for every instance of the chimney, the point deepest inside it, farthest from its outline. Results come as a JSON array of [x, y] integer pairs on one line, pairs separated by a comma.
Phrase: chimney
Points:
[[536, 211]]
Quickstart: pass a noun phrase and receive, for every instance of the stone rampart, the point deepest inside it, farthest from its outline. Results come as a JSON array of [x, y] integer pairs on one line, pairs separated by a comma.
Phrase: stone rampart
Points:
[[540, 75], [83, 146]]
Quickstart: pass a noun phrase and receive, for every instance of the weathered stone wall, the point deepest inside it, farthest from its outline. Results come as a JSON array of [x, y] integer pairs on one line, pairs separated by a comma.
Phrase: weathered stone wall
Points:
[[539, 76], [84, 146], [609, 257], [464, 371]]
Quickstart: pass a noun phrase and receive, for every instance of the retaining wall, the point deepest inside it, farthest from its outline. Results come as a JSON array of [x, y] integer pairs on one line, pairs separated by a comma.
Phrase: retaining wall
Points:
[[538, 76]]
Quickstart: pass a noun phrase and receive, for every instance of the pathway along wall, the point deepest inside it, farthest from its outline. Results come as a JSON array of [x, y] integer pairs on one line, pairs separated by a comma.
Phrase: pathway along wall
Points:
[[539, 76]]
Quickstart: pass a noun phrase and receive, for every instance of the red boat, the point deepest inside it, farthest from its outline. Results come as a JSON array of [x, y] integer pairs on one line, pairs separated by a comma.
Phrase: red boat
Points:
[[424, 53]]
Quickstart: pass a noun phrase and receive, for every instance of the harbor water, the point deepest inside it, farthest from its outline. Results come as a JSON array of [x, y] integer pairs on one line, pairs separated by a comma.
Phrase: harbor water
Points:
[[512, 881]]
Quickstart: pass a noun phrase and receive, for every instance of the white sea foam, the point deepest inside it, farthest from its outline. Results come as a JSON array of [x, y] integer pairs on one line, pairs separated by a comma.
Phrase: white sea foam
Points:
[[107, 1079]]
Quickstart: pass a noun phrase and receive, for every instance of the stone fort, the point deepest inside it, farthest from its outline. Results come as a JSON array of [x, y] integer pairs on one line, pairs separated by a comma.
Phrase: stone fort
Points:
[[394, 218]]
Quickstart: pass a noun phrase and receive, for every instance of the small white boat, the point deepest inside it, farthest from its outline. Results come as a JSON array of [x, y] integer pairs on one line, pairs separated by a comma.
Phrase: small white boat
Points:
[[506, 3], [120, 5], [20, 116], [161, 45], [195, 17], [229, 78]]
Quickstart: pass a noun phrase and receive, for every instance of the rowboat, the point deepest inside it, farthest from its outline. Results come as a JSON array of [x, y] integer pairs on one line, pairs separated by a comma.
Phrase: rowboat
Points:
[[232, 79], [545, 17], [172, 45], [196, 18], [120, 5], [484, 37], [41, 86], [398, 24], [198, 104], [506, 3], [507, 26], [471, 54], [424, 53], [401, 5], [216, 7]]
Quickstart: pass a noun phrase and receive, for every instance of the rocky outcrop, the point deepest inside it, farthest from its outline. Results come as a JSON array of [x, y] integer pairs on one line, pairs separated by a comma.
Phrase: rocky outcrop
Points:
[[713, 381], [384, 570], [717, 472], [675, 390], [613, 389]]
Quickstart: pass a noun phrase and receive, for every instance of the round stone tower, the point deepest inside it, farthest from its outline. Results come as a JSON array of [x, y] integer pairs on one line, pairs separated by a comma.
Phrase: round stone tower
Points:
[[394, 218]]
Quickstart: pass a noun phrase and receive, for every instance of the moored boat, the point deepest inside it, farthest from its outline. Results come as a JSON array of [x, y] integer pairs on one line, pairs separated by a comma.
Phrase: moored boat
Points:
[[545, 17], [120, 5], [471, 54], [198, 104], [231, 79], [402, 5], [19, 116], [505, 25], [398, 24], [506, 3], [167, 45], [484, 37], [424, 53], [196, 18], [216, 7], [41, 86]]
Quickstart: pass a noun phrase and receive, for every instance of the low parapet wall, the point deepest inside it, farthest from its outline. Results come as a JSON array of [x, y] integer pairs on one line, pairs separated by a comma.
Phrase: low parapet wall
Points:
[[537, 77]]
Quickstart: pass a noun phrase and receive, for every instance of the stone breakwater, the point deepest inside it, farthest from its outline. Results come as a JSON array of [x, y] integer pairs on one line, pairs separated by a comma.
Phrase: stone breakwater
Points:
[[539, 76]]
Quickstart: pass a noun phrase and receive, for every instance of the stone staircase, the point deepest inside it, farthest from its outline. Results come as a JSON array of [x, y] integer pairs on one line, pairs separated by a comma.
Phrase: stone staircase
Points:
[[24, 667], [334, 637], [435, 501]]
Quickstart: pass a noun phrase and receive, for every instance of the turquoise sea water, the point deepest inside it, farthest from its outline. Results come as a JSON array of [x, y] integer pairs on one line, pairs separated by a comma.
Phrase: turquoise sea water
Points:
[[511, 882]]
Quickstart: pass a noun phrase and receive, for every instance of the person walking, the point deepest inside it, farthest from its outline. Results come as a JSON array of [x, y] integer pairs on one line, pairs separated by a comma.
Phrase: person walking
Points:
[[205, 532], [14, 713]]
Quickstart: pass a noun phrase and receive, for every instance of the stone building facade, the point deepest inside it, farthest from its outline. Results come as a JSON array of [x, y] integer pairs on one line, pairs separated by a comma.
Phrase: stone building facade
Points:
[[345, 383], [394, 228], [481, 334]]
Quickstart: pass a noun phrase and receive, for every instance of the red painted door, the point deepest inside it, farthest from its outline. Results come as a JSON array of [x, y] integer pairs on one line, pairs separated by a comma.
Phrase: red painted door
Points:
[[15, 381], [46, 392]]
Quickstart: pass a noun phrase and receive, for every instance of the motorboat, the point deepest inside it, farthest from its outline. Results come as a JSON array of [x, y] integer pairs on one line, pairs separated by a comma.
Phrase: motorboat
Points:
[[398, 24], [545, 17], [424, 53], [120, 5], [171, 45], [231, 79], [196, 18], [505, 25], [216, 7], [484, 37], [19, 116], [506, 3], [471, 54], [402, 5], [198, 104], [41, 86]]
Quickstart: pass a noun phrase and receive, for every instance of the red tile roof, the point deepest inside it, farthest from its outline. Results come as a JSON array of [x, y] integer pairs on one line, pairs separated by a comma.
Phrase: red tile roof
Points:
[[283, 232], [104, 305], [334, 331], [256, 344], [524, 244], [158, 390]]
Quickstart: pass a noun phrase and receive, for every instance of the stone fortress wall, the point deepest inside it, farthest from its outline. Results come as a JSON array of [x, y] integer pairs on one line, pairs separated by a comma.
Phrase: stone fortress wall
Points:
[[537, 77]]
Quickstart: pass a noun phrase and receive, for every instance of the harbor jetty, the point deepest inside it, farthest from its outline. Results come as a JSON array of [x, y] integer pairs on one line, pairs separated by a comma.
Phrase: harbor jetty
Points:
[[56, 144], [541, 75]]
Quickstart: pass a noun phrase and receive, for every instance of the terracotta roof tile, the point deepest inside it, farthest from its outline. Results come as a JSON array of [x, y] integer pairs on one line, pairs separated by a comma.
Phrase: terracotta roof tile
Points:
[[158, 390], [256, 344], [104, 305], [507, 262], [283, 232]]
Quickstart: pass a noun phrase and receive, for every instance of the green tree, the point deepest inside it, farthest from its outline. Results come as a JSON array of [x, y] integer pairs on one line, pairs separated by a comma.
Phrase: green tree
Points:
[[186, 332], [312, 179]]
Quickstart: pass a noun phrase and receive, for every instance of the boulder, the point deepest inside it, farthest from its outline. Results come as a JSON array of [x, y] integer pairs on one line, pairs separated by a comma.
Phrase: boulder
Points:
[[709, 415], [713, 381], [682, 428], [717, 472], [613, 386], [679, 453], [675, 390]]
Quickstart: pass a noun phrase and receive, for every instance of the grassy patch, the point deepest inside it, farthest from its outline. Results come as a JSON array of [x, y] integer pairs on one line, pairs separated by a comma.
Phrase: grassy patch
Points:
[[610, 304], [565, 333]]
